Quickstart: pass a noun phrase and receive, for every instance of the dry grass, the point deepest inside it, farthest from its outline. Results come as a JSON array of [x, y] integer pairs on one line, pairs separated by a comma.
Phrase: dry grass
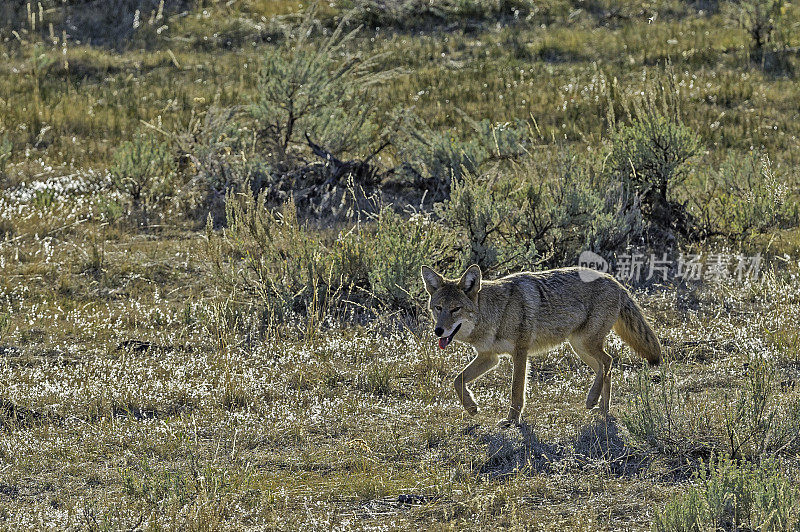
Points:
[[134, 394], [125, 401]]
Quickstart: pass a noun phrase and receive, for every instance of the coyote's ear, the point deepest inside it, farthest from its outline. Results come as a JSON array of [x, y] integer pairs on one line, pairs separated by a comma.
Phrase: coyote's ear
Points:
[[433, 281], [470, 282]]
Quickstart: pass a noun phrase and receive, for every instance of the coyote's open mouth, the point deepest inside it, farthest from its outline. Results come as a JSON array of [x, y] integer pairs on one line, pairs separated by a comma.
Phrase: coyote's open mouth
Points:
[[444, 341]]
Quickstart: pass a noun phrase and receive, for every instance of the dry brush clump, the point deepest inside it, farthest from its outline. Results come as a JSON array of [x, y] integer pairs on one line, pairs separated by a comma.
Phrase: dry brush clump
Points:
[[288, 271], [650, 153], [745, 197], [731, 495], [746, 407], [144, 174]]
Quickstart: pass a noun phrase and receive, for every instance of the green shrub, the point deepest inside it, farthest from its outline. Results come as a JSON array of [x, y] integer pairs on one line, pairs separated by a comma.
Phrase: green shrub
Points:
[[221, 161], [615, 223], [398, 250], [731, 495], [143, 172], [663, 421], [435, 160], [760, 422], [294, 275], [745, 196], [542, 211], [266, 257], [579, 208], [472, 211], [757, 421], [319, 88], [651, 151]]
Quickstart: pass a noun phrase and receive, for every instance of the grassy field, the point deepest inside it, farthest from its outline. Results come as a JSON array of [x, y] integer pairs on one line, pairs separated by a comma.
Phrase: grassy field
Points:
[[278, 369]]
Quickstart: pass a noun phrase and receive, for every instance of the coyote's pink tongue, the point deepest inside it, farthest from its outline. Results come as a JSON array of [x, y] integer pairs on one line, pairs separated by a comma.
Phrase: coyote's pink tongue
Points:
[[444, 341]]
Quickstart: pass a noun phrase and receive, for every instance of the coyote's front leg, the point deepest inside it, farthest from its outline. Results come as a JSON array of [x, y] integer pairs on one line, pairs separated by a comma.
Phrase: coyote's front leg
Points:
[[518, 384], [479, 365]]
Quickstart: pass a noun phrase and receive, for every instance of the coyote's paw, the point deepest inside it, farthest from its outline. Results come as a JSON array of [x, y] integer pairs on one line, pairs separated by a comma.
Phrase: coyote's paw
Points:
[[591, 400], [601, 414], [507, 423]]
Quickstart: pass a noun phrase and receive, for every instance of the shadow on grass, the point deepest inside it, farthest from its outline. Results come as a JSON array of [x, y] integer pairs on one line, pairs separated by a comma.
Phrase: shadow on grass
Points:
[[553, 53], [775, 63], [13, 415], [597, 446], [601, 443]]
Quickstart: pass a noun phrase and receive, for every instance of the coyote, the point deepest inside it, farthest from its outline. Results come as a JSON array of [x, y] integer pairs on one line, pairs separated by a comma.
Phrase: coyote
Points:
[[533, 311]]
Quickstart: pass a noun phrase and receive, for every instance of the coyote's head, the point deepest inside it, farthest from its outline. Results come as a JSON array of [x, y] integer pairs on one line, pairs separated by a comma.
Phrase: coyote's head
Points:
[[453, 303]]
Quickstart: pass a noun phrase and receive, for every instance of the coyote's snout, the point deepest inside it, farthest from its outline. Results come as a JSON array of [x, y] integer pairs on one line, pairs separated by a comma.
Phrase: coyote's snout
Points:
[[527, 312]]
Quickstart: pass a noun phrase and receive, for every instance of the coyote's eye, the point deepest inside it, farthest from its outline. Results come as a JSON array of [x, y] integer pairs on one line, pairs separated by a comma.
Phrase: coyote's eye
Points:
[[455, 309], [438, 308]]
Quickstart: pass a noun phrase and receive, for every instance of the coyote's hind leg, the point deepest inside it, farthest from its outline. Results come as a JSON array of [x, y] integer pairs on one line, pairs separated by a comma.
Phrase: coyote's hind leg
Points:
[[594, 355]]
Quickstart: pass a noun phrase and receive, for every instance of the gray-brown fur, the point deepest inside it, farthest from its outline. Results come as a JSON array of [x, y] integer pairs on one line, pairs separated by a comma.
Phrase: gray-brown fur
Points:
[[533, 311]]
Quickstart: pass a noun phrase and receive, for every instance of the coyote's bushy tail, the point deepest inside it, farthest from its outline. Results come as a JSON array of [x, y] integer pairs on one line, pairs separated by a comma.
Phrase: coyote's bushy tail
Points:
[[633, 328]]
